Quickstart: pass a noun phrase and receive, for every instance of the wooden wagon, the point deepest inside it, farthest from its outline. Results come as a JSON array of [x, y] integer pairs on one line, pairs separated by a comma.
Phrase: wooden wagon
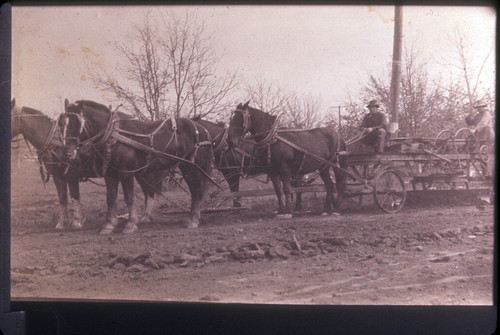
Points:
[[451, 160]]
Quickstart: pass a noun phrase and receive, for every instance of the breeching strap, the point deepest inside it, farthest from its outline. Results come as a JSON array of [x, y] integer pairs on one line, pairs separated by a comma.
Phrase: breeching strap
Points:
[[295, 146]]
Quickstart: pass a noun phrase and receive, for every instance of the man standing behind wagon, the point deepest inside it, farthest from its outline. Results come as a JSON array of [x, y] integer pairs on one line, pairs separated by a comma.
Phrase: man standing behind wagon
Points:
[[374, 124], [480, 123]]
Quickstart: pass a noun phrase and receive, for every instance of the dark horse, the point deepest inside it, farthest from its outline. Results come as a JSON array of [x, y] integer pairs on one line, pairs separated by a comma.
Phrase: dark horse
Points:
[[125, 148], [242, 159], [292, 153], [43, 133]]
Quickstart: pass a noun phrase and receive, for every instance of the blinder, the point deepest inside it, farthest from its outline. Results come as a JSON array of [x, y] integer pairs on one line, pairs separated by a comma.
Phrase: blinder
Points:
[[246, 120]]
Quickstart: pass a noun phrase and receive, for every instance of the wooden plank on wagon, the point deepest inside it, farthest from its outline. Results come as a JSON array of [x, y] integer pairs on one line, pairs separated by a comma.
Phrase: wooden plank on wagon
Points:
[[270, 191]]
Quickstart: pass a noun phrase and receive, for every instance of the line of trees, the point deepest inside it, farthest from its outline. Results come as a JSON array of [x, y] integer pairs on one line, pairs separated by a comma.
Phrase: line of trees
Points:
[[169, 68], [429, 103]]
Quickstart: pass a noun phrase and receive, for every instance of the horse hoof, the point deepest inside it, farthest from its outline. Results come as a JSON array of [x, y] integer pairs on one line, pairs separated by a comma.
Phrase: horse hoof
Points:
[[60, 226], [146, 219], [77, 225], [284, 216], [332, 214], [129, 229], [193, 225], [108, 229]]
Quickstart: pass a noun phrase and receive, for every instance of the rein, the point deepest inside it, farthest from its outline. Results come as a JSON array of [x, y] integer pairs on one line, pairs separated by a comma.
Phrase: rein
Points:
[[47, 147], [222, 143]]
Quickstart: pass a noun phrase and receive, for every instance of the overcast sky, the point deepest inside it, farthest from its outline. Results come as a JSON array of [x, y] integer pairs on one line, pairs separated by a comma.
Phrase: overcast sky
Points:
[[321, 50]]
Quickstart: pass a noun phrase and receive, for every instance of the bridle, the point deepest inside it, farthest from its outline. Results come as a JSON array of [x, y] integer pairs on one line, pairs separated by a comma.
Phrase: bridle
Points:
[[65, 136], [246, 120]]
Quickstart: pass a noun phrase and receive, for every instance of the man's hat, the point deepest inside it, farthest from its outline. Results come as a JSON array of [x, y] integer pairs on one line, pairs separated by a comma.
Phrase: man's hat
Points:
[[373, 103], [480, 104]]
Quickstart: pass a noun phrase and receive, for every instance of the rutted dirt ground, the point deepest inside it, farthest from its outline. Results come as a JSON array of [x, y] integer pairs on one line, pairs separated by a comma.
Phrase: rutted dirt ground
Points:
[[433, 252]]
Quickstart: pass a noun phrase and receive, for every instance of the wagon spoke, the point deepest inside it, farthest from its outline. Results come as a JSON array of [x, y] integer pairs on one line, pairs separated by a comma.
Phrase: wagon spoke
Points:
[[389, 191]]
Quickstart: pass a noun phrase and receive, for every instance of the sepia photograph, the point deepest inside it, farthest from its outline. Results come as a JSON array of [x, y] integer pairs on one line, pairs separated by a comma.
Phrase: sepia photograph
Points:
[[277, 155]]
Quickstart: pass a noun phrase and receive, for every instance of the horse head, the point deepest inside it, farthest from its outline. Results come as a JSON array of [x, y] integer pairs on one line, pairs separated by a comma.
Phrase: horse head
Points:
[[240, 123], [15, 112], [71, 125]]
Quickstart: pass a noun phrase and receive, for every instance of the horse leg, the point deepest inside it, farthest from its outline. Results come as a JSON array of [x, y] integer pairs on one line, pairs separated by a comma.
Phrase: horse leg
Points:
[[196, 183], [128, 194], [327, 180], [233, 180], [62, 194], [275, 178], [149, 194], [74, 190], [111, 196], [286, 180], [341, 181], [298, 201]]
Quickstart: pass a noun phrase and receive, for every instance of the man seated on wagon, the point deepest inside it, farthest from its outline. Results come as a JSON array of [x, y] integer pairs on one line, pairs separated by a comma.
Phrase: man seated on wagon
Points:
[[480, 123], [375, 125]]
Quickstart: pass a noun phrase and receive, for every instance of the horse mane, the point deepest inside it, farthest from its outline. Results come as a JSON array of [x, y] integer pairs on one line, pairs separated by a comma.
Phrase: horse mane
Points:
[[32, 111], [92, 104], [95, 105]]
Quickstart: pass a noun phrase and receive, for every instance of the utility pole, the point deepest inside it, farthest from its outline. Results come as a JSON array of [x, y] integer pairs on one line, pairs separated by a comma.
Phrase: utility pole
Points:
[[396, 70]]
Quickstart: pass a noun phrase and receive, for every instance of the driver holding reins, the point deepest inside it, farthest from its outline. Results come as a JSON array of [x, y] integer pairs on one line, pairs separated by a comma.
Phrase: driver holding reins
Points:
[[374, 124]]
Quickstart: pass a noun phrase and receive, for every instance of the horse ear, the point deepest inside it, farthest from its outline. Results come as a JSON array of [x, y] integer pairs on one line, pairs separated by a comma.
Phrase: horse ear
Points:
[[246, 105], [66, 103], [240, 106], [13, 103]]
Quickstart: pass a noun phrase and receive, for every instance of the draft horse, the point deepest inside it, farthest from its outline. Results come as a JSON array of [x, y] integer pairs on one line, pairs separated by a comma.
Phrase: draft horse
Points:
[[235, 161], [42, 133], [292, 153], [126, 148]]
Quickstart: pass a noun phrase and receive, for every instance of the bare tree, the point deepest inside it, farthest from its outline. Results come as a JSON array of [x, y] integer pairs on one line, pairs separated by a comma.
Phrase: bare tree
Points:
[[197, 89], [303, 112], [427, 106], [169, 68], [470, 75], [268, 97], [145, 80]]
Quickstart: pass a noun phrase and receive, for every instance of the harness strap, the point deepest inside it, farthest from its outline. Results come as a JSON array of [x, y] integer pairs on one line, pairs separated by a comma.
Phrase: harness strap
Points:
[[109, 130], [125, 140], [222, 143], [295, 146], [48, 140]]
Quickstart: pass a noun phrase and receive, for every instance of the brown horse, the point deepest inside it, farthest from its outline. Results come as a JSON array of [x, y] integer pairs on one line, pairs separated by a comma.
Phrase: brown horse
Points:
[[124, 148], [292, 153], [236, 161], [42, 132]]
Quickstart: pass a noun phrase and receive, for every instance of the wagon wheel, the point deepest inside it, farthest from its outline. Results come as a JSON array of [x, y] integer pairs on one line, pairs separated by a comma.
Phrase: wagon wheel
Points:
[[484, 153], [389, 191], [465, 141], [442, 140]]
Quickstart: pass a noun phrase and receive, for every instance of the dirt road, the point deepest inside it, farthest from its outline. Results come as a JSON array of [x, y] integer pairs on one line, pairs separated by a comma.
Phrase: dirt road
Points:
[[430, 253]]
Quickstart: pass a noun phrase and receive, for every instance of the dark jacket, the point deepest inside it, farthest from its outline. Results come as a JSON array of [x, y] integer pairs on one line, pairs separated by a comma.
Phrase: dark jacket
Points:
[[374, 119]]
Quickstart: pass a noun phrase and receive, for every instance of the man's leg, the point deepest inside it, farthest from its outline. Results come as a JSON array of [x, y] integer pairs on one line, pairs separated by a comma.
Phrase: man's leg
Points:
[[379, 147]]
